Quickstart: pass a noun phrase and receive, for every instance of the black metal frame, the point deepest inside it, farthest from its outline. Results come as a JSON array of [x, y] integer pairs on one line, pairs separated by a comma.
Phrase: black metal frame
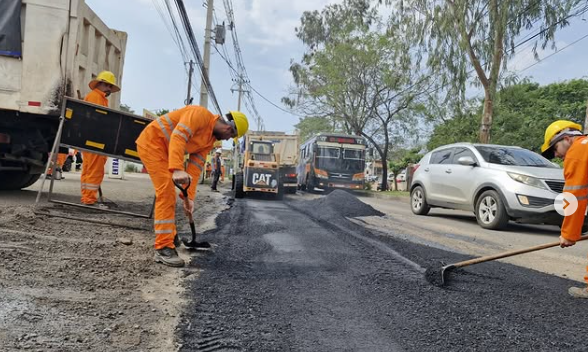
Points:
[[52, 160]]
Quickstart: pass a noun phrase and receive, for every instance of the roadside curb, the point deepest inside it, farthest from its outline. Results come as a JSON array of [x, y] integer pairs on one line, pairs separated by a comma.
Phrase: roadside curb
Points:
[[380, 195]]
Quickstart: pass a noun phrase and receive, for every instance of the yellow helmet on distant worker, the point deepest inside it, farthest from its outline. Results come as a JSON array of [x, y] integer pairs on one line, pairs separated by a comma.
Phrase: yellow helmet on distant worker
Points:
[[106, 77], [555, 132], [241, 123]]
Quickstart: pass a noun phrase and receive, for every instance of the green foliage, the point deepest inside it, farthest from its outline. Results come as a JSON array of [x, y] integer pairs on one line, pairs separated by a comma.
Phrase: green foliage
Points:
[[463, 37], [310, 126], [407, 157], [131, 168], [358, 76], [126, 108], [161, 112], [522, 113]]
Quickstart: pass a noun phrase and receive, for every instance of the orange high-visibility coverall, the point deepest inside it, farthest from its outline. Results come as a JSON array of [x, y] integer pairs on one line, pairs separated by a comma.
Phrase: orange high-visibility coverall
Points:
[[161, 147], [93, 165], [61, 158], [576, 176]]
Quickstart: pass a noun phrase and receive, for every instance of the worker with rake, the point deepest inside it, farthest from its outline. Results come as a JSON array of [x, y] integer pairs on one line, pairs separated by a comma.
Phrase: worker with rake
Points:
[[565, 140]]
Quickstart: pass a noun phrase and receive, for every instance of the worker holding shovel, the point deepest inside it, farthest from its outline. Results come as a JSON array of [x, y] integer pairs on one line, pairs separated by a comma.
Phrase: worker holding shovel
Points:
[[565, 140], [162, 145]]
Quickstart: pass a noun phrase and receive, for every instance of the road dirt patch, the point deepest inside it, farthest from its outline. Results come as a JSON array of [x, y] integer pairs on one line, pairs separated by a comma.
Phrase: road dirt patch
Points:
[[69, 285]]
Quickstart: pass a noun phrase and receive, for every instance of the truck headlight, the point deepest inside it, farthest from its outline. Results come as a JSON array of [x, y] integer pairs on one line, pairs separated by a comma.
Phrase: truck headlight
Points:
[[321, 174], [527, 180]]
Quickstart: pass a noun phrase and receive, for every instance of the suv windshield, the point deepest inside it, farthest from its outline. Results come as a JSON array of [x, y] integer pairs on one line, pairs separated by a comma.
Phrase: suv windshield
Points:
[[513, 156]]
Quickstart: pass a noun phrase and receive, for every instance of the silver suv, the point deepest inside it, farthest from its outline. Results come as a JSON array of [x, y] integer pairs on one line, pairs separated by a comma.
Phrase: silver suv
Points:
[[498, 183]]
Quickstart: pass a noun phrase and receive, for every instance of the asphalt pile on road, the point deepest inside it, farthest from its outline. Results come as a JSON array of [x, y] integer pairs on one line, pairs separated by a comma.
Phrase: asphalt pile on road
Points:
[[337, 203]]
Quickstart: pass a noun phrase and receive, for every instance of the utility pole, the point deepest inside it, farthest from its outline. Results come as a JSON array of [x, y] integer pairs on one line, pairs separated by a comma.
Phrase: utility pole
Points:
[[189, 96], [235, 145], [206, 64], [206, 58]]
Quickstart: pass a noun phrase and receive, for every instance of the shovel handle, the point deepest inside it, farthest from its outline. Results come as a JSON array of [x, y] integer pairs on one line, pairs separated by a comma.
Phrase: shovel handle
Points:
[[182, 188], [510, 253]]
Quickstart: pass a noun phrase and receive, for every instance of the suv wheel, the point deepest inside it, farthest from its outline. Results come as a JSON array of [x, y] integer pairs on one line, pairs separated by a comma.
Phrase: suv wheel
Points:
[[418, 202], [490, 211]]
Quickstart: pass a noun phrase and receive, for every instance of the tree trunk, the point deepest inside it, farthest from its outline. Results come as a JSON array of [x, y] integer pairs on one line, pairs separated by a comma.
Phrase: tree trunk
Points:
[[395, 183], [586, 119], [486, 123]]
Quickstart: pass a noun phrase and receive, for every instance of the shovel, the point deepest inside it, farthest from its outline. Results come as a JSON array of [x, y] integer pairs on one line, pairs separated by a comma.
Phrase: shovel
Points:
[[433, 278], [192, 244]]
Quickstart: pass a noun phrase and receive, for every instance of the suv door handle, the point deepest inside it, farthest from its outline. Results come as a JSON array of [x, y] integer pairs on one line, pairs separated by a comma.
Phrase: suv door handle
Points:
[[427, 170], [448, 171]]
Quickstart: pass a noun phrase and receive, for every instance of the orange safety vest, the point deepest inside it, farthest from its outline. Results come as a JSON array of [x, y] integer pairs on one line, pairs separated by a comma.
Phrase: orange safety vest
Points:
[[188, 130], [97, 97], [576, 177]]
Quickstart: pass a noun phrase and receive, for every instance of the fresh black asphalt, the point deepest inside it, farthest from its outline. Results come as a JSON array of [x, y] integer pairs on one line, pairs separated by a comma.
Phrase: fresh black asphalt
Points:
[[298, 276]]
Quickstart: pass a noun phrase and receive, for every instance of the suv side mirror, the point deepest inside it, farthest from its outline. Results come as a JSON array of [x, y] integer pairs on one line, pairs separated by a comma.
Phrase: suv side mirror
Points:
[[467, 161]]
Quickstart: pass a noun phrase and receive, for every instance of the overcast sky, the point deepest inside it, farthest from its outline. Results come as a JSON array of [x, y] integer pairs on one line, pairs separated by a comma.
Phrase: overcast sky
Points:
[[155, 75]]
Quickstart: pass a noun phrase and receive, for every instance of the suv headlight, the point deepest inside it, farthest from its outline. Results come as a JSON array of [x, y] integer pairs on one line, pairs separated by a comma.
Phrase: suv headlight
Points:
[[527, 180]]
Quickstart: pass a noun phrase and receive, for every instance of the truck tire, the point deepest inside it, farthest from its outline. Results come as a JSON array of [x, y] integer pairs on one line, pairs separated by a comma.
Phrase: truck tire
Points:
[[14, 180], [280, 194], [239, 192]]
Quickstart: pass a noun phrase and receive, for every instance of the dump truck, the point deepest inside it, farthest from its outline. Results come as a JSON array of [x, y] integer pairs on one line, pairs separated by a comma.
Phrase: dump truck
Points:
[[49, 49], [260, 172], [286, 149]]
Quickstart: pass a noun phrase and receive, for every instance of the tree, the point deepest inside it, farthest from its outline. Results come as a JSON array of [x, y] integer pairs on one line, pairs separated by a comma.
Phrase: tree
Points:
[[161, 112], [310, 126], [411, 156], [358, 77], [461, 36], [126, 108], [522, 112]]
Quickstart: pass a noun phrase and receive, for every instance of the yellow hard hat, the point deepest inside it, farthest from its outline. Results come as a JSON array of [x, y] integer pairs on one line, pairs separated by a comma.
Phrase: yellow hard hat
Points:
[[106, 77], [241, 123], [555, 132]]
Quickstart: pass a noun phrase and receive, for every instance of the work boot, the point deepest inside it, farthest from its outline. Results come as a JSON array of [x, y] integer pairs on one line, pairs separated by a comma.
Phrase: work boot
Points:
[[169, 257], [578, 292]]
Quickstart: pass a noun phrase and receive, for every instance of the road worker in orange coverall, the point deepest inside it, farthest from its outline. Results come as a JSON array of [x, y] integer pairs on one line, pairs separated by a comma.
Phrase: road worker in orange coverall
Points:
[[162, 145], [565, 140], [93, 166]]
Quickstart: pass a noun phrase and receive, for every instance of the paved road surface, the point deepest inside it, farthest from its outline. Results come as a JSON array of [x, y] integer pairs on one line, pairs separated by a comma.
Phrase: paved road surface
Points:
[[458, 231], [281, 280]]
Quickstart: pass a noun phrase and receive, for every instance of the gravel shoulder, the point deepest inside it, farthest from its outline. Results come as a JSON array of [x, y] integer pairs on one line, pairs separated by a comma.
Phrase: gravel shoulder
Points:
[[70, 285]]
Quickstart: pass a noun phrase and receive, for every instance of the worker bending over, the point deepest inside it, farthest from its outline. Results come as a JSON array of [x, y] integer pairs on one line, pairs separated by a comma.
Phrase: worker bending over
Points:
[[162, 146]]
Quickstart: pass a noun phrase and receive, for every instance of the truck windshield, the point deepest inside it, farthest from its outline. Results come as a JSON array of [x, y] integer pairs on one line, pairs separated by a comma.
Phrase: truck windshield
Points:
[[328, 152], [339, 159]]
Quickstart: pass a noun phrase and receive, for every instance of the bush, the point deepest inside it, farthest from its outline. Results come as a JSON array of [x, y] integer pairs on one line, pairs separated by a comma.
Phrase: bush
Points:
[[131, 168]]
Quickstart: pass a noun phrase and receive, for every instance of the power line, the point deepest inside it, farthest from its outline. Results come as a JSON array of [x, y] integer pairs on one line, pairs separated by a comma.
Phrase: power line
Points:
[[555, 53], [196, 51]]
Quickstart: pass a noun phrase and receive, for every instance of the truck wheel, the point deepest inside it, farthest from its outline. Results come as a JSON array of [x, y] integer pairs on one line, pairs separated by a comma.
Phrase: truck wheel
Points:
[[14, 180], [239, 193]]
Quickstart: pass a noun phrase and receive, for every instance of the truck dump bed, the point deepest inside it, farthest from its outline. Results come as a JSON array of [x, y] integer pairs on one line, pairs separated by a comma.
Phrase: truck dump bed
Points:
[[63, 48]]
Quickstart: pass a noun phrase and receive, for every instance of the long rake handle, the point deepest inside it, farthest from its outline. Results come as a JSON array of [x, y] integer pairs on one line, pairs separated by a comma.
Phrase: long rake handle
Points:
[[510, 253]]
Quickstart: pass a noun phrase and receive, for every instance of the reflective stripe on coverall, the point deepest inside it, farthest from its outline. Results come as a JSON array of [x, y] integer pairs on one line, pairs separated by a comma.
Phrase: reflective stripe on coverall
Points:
[[93, 165], [162, 146], [576, 176]]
